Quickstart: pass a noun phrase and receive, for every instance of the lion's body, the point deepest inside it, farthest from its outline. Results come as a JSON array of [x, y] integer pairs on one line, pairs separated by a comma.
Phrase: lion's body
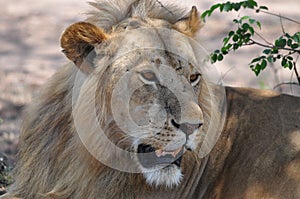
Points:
[[257, 154]]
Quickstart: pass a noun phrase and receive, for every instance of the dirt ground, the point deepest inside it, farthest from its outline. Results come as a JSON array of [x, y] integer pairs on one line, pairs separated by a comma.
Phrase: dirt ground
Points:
[[30, 52]]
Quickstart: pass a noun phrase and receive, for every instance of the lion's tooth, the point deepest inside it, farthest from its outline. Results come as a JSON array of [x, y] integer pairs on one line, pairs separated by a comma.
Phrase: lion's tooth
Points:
[[173, 154], [176, 152], [159, 152]]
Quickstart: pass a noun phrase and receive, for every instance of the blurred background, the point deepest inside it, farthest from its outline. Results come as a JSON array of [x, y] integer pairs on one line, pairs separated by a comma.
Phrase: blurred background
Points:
[[30, 53]]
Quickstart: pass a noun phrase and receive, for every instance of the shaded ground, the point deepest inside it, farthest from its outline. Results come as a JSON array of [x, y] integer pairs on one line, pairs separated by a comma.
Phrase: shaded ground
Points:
[[30, 54]]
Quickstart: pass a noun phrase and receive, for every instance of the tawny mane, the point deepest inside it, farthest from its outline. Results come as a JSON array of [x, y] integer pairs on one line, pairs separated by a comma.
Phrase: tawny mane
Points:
[[108, 13]]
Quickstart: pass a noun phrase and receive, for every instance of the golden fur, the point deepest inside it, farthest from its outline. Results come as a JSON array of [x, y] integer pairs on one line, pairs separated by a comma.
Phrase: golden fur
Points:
[[256, 156]]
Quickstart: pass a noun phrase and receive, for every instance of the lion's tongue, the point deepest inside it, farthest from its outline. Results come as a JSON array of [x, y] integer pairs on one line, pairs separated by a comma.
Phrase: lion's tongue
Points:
[[149, 157]]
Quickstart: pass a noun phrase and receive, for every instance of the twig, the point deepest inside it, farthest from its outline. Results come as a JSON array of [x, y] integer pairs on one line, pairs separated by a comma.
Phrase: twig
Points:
[[260, 36], [271, 46], [296, 72], [283, 17], [165, 7], [223, 75], [275, 73], [283, 83], [259, 44], [281, 25]]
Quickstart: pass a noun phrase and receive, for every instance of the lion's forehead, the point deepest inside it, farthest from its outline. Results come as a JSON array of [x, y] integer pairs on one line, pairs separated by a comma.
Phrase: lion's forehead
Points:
[[157, 41]]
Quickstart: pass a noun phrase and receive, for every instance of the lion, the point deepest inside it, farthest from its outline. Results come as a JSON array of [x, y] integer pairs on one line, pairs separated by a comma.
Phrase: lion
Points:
[[135, 115]]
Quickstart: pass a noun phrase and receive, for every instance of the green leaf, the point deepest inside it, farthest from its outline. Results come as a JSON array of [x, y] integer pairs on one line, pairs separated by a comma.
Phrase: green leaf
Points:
[[296, 37], [204, 14], [267, 51], [225, 40], [224, 49], [240, 31], [280, 43], [274, 50], [290, 65], [214, 58], [294, 46], [252, 3], [236, 6], [246, 38], [235, 38], [288, 35], [284, 63], [231, 33], [289, 42], [256, 72], [220, 57], [229, 46], [270, 59], [263, 64], [244, 18], [263, 8], [235, 46], [252, 21], [258, 24], [257, 69], [256, 60], [227, 7], [251, 30], [249, 4], [215, 6], [245, 26], [221, 7]]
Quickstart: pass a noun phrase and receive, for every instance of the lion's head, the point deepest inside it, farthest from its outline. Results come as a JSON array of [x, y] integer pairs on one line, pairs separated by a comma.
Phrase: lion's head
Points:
[[141, 91], [142, 108]]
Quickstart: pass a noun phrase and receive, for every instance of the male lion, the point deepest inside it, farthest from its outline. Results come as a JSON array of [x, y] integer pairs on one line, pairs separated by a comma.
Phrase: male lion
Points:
[[140, 117]]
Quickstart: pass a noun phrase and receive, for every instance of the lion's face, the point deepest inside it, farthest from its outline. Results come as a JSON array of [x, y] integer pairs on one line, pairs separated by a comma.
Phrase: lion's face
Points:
[[155, 103], [161, 117], [147, 97]]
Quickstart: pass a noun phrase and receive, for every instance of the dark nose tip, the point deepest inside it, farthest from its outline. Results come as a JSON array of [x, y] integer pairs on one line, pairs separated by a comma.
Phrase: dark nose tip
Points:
[[186, 127]]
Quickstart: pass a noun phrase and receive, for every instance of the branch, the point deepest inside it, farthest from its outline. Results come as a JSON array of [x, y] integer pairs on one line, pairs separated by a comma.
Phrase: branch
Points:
[[296, 72], [281, 24], [283, 17], [260, 36], [283, 83], [271, 46], [165, 7]]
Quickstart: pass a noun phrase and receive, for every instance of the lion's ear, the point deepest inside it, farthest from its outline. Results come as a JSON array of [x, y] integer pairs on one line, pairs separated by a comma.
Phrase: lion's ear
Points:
[[78, 42], [190, 24]]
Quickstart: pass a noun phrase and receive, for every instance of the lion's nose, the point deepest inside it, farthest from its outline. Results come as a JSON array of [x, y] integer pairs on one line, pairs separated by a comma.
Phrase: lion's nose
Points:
[[186, 127]]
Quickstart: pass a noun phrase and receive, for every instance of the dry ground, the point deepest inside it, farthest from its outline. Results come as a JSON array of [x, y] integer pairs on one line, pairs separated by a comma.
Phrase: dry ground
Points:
[[30, 52]]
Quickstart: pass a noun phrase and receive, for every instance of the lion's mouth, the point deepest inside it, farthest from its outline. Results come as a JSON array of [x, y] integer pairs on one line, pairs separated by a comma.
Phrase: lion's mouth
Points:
[[149, 157]]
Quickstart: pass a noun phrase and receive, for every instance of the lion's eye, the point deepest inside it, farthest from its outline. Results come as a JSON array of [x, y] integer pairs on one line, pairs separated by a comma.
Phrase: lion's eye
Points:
[[195, 78], [148, 77]]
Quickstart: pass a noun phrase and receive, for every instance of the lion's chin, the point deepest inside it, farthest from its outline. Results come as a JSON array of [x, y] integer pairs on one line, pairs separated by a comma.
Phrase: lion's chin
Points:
[[169, 176], [160, 167]]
